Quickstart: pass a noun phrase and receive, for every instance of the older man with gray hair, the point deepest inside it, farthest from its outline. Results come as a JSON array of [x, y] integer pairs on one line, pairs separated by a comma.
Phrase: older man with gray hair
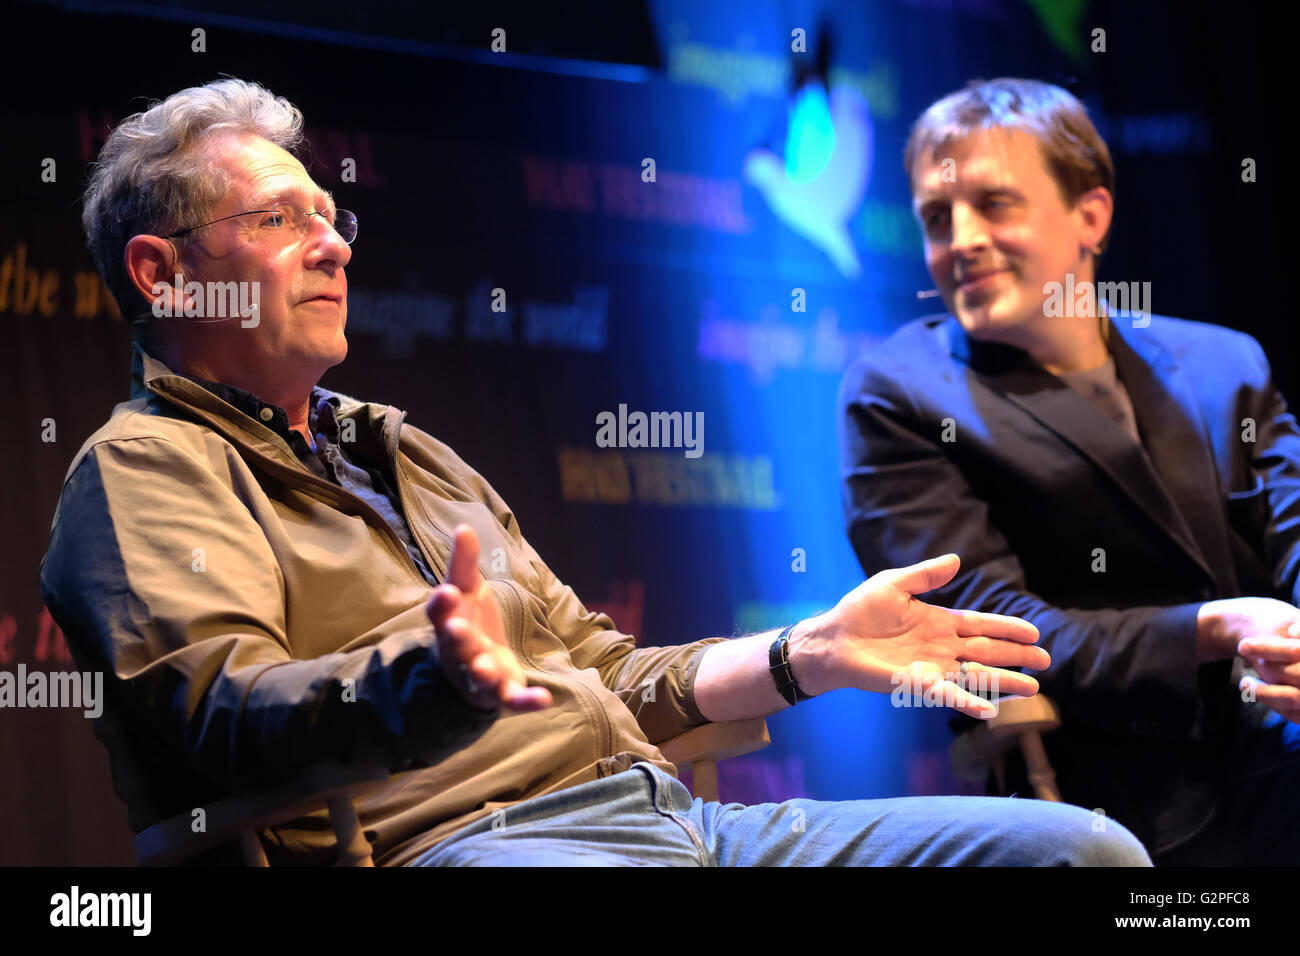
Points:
[[274, 575]]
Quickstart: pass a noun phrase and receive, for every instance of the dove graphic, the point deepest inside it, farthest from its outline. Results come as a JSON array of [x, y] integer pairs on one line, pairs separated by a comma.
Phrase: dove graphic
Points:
[[818, 186]]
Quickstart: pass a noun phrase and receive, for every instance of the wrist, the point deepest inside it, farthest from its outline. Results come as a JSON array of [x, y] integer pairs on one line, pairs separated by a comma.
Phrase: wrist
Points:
[[1214, 638], [808, 656]]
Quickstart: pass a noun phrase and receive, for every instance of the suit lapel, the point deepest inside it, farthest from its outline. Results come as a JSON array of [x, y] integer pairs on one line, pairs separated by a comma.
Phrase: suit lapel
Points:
[[1176, 438], [1029, 386]]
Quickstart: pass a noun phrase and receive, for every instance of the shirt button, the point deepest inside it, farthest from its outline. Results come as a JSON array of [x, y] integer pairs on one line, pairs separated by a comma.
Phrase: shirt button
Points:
[[266, 414]]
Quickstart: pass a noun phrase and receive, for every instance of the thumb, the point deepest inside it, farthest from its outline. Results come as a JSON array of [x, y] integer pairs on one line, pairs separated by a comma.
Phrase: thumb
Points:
[[462, 569], [926, 576]]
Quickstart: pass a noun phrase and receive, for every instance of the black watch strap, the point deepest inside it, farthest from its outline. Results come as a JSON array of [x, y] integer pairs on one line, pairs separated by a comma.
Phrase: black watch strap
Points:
[[778, 662]]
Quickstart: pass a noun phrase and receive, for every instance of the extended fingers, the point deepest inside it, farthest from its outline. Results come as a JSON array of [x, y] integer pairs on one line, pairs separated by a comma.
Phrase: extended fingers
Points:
[[1275, 673], [972, 705], [495, 673], [979, 624], [997, 682], [442, 603], [1004, 653], [1283, 698], [518, 697], [467, 643], [928, 688], [1284, 649]]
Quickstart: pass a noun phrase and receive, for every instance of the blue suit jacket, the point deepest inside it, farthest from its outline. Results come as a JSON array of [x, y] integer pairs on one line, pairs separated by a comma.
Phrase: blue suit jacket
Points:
[[1034, 480]]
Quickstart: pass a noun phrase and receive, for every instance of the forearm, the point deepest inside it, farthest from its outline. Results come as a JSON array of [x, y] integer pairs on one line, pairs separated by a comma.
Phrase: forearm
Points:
[[387, 706], [734, 681]]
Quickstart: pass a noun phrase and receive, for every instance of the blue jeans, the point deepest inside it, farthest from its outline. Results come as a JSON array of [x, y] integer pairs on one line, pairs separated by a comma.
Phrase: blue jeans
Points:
[[646, 817]]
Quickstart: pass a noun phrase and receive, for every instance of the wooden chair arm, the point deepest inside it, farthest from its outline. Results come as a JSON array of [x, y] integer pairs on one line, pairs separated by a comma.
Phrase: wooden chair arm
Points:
[[1021, 721], [717, 741], [329, 784], [1019, 714], [703, 746]]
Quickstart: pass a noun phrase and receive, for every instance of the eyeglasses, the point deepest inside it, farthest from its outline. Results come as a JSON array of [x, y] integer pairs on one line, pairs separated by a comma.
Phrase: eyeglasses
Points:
[[289, 219]]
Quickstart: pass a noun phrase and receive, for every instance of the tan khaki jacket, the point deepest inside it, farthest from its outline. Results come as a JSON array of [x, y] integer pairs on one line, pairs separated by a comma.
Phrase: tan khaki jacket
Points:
[[252, 619]]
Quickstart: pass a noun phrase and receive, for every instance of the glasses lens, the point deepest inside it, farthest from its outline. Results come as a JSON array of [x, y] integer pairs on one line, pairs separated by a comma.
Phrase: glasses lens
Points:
[[345, 223], [298, 220]]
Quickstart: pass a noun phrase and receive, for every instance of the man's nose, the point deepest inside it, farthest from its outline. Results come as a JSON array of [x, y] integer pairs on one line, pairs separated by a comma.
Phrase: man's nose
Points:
[[969, 230], [326, 243]]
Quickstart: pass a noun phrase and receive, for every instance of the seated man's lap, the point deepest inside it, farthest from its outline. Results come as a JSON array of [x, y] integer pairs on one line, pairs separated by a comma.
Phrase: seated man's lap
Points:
[[615, 821], [646, 817], [917, 831]]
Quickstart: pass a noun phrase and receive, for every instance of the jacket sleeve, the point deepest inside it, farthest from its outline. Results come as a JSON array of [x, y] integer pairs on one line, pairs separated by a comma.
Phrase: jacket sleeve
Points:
[[158, 573], [905, 501], [656, 683], [1274, 501]]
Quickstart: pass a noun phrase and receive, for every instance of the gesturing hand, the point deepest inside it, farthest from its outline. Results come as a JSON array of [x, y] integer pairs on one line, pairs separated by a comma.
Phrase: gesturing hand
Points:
[[879, 634], [472, 646], [1267, 632]]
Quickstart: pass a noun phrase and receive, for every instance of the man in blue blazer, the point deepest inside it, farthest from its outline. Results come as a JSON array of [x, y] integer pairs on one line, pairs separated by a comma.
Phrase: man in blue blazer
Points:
[[1127, 482]]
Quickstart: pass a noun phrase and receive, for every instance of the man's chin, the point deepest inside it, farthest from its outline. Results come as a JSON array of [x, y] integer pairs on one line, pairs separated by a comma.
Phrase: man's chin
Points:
[[979, 322], [341, 352], [989, 322]]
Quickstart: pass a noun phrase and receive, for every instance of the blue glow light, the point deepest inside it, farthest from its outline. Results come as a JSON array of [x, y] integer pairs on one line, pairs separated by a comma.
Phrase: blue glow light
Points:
[[810, 140]]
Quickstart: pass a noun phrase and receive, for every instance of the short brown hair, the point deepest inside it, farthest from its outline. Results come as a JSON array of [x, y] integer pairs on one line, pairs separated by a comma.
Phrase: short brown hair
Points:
[[1074, 152]]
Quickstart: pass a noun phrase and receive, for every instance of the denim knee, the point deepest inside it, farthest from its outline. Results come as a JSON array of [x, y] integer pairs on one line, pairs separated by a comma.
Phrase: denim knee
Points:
[[1093, 839]]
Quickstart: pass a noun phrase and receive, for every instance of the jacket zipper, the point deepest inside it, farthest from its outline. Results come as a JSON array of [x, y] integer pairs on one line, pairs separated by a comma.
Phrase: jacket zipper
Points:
[[394, 542], [332, 492], [429, 553], [603, 728]]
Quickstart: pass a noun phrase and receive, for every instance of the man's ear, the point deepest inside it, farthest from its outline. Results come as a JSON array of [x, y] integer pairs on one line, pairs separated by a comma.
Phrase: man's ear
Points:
[[151, 266], [1095, 209]]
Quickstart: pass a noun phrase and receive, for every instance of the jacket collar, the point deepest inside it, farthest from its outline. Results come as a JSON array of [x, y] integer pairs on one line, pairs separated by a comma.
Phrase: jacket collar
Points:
[[378, 427], [1172, 475]]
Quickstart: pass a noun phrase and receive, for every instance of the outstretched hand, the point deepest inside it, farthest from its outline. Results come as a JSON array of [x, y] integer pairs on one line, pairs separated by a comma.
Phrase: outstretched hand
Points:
[[880, 635], [472, 646]]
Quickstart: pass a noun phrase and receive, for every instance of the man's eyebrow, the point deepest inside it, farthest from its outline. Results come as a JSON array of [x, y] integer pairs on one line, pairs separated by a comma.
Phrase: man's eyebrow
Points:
[[985, 187], [273, 196]]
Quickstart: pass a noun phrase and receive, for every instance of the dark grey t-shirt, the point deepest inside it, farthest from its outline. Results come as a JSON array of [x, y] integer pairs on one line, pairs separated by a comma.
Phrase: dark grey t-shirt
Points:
[[1102, 387]]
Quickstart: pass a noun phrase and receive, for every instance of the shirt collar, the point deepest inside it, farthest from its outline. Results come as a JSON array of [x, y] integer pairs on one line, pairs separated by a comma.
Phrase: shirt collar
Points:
[[273, 416], [270, 415]]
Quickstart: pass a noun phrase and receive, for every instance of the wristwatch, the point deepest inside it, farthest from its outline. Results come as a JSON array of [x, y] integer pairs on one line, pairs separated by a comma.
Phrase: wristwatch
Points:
[[778, 660]]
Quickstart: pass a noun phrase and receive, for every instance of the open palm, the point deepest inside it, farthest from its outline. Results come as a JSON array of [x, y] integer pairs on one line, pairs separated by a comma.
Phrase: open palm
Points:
[[885, 634]]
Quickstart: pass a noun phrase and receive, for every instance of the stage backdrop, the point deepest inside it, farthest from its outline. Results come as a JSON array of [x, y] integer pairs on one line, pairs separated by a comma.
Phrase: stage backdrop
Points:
[[617, 211]]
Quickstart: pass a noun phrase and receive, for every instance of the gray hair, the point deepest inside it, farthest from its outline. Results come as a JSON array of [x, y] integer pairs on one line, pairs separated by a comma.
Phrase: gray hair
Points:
[[150, 176]]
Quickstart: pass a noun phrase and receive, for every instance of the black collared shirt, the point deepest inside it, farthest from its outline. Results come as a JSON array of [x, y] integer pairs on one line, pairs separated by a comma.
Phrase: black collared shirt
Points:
[[329, 460]]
